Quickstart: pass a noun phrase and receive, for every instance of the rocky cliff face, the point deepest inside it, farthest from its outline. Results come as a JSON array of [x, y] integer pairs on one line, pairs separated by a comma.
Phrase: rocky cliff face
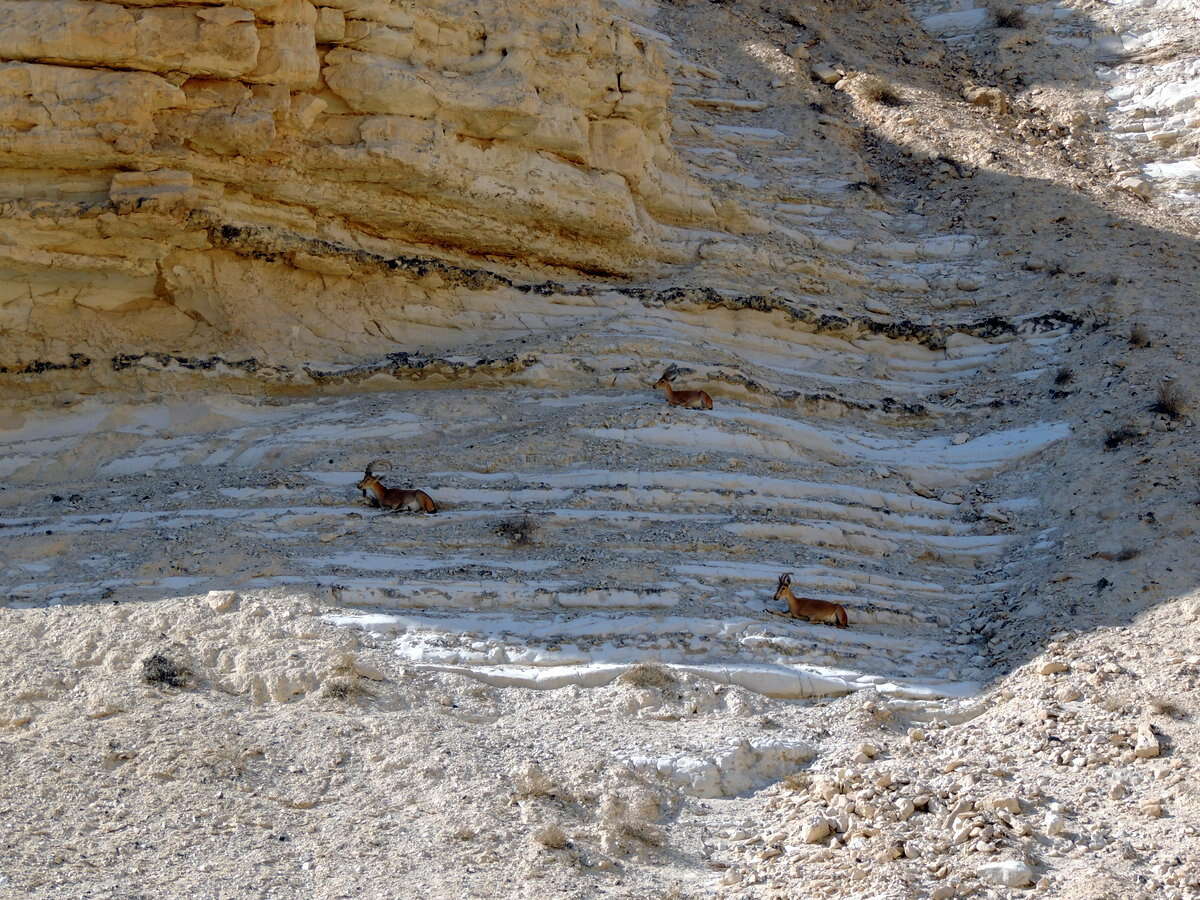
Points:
[[174, 177], [916, 252], [279, 184]]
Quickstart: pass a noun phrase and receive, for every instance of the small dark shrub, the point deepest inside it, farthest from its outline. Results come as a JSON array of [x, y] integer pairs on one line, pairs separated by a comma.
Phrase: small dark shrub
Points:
[[1139, 336], [1164, 706], [347, 689], [1171, 400], [1009, 17], [1065, 375], [520, 530], [160, 669], [1119, 436], [876, 90]]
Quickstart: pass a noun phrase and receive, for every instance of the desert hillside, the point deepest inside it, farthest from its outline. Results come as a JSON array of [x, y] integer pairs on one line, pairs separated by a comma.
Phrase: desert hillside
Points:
[[934, 262]]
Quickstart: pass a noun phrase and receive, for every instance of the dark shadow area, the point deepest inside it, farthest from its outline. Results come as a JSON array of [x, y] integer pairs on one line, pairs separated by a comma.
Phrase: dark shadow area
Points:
[[1120, 497]]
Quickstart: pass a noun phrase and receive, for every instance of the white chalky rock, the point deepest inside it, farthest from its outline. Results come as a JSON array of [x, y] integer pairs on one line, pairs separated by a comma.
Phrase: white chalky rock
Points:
[[1053, 666], [1007, 872], [1054, 825], [366, 670], [815, 830], [729, 772], [1139, 186], [528, 778], [864, 809], [826, 74], [103, 706], [221, 601], [826, 790], [1147, 742], [1005, 804], [892, 851]]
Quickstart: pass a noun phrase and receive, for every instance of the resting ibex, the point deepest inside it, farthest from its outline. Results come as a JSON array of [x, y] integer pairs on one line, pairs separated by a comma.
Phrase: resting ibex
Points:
[[394, 499], [687, 399], [808, 608]]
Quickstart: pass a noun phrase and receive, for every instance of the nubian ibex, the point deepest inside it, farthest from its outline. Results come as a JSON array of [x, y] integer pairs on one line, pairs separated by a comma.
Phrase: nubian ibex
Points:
[[395, 499], [808, 608], [686, 399]]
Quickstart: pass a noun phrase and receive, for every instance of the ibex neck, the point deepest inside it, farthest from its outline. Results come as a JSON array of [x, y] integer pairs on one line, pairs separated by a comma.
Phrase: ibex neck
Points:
[[377, 489]]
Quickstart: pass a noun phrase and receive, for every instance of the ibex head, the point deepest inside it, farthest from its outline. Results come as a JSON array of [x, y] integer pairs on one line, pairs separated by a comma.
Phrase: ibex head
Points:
[[369, 475], [670, 373], [784, 582]]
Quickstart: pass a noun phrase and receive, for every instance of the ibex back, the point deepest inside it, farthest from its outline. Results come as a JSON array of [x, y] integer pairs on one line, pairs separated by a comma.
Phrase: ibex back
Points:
[[395, 499]]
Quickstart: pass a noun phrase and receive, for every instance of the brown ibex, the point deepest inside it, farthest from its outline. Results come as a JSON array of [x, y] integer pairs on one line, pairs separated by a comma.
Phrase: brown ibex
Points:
[[395, 499], [808, 608], [686, 399]]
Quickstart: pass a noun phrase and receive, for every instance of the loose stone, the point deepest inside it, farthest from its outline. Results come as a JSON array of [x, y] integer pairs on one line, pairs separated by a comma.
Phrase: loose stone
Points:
[[1147, 742], [1006, 872]]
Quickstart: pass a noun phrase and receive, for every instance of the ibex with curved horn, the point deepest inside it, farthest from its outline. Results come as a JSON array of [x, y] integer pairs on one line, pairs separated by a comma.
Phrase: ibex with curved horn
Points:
[[808, 608], [395, 499], [686, 399]]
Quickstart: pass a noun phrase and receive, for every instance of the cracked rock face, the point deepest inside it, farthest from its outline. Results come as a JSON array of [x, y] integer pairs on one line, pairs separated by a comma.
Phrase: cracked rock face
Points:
[[134, 134], [915, 253]]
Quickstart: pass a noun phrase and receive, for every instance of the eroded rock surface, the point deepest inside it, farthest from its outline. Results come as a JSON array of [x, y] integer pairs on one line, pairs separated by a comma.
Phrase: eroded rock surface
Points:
[[915, 252]]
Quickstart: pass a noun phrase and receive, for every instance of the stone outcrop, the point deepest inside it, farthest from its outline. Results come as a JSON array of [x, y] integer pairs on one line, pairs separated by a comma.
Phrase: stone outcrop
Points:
[[138, 140]]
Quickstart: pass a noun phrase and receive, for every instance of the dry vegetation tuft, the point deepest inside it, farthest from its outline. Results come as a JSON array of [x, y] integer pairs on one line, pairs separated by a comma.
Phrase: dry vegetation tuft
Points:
[[346, 688], [1009, 17], [1115, 703], [874, 89], [1164, 706], [645, 675], [644, 832], [551, 836], [1119, 436], [1139, 336], [1064, 375], [520, 531], [1171, 400]]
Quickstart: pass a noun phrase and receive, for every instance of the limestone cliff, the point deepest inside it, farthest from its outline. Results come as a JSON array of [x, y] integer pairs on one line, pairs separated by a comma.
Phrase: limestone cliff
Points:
[[173, 177]]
